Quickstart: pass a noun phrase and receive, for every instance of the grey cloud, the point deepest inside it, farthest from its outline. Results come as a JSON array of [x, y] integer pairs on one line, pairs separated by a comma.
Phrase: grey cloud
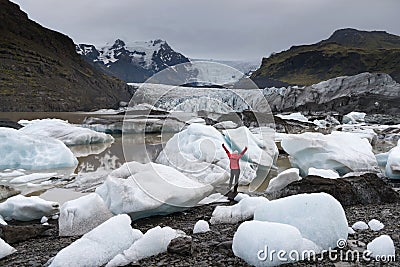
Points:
[[219, 29]]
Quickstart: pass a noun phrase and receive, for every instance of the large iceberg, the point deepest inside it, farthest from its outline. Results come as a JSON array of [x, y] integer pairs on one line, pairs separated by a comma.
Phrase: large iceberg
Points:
[[258, 243], [142, 190], [342, 152], [197, 152], [19, 150], [65, 132], [81, 215], [319, 217], [23, 208], [100, 245]]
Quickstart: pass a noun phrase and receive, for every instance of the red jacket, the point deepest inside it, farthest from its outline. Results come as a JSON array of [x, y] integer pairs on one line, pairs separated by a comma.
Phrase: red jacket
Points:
[[234, 158]]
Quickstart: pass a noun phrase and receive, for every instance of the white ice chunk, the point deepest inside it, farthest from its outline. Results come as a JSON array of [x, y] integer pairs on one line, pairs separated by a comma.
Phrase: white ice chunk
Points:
[[100, 245], [360, 225], [143, 190], [241, 211], [19, 150], [351, 231], [11, 174], [255, 240], [342, 152], [392, 169], [330, 174], [23, 208], [293, 116], [375, 225], [153, 242], [44, 219], [225, 125], [382, 248], [32, 177], [318, 216], [81, 215], [201, 226], [67, 133], [283, 179], [354, 117], [5, 249]]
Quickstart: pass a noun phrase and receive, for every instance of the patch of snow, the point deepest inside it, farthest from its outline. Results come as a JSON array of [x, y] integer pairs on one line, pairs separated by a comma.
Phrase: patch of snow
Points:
[[32, 177]]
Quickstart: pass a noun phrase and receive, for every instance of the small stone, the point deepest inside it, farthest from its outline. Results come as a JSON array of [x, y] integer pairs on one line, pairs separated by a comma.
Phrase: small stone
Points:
[[181, 245]]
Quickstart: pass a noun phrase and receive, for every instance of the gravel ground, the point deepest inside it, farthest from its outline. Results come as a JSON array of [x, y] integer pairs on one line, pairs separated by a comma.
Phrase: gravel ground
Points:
[[212, 248]]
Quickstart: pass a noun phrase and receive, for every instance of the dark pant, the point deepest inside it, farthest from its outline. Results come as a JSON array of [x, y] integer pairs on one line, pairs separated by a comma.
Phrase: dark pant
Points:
[[234, 174]]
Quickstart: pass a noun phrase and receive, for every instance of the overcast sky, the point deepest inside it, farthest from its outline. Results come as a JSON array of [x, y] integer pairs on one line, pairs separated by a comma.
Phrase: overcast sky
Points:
[[217, 29]]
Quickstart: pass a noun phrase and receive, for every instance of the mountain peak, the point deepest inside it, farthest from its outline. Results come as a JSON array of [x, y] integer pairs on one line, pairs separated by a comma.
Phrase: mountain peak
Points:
[[118, 44], [363, 39]]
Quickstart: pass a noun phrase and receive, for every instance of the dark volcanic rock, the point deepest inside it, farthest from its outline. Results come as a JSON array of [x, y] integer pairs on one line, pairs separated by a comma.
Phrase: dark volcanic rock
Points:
[[364, 189], [40, 70], [181, 245], [10, 124], [17, 233]]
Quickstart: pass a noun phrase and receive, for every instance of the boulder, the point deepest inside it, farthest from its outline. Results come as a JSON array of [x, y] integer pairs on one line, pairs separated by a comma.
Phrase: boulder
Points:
[[18, 233], [182, 245], [364, 189]]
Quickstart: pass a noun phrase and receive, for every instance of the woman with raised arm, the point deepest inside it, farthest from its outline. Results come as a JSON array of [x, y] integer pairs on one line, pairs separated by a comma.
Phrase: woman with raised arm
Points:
[[234, 166]]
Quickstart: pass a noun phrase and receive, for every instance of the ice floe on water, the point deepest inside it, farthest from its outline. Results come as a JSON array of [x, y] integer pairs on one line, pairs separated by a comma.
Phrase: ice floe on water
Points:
[[20, 150], [67, 133]]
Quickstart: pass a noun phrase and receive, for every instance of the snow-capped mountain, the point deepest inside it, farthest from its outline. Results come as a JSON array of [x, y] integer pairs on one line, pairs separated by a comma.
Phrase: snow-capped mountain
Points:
[[132, 62], [244, 66]]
